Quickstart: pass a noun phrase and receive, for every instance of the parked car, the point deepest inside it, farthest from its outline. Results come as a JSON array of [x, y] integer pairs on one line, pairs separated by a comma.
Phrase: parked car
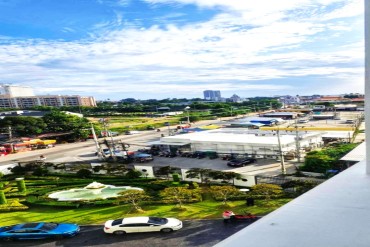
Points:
[[239, 163], [142, 224], [141, 157], [131, 132], [199, 155], [39, 230], [303, 121]]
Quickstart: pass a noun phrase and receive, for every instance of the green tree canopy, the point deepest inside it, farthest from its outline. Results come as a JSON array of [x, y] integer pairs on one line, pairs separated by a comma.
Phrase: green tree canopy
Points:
[[200, 173], [23, 126], [265, 191], [134, 197], [224, 192], [60, 122], [177, 194]]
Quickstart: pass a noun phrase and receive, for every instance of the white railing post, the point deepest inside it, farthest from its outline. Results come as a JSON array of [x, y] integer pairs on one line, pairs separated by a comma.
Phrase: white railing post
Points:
[[367, 82]]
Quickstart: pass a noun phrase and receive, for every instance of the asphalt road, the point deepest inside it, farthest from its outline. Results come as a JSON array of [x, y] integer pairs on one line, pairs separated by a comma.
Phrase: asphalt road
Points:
[[202, 233], [85, 151]]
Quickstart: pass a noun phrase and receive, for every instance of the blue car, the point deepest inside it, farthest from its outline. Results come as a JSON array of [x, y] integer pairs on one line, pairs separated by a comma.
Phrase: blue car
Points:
[[38, 230]]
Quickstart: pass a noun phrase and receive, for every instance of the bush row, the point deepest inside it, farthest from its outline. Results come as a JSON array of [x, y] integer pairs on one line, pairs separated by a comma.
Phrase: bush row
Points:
[[13, 205]]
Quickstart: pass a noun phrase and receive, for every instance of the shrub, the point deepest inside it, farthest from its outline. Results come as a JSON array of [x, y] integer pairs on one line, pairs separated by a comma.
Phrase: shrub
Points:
[[266, 191], [327, 159], [12, 205], [132, 174], [40, 171], [176, 177], [84, 173], [18, 170]]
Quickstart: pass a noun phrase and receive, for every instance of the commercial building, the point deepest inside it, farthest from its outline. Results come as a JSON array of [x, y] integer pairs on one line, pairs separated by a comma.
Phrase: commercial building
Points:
[[242, 141], [283, 115], [212, 95], [256, 121]]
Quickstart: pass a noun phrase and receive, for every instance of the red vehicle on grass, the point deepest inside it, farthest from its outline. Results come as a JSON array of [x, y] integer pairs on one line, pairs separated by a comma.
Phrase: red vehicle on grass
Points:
[[230, 216]]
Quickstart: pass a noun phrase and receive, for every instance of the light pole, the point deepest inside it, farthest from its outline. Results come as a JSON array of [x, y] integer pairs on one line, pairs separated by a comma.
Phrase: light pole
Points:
[[187, 110], [283, 170]]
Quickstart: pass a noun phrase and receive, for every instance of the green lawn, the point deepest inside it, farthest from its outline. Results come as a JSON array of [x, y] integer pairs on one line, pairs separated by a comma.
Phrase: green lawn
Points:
[[98, 215]]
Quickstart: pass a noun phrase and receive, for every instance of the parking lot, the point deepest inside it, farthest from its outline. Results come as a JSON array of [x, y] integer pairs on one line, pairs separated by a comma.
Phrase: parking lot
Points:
[[266, 165]]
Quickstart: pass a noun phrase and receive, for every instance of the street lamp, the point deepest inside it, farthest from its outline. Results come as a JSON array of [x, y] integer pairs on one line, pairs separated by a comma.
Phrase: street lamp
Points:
[[187, 110]]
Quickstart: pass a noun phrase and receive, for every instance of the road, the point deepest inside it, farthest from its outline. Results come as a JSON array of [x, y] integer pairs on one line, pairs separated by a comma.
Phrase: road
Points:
[[85, 151], [201, 233]]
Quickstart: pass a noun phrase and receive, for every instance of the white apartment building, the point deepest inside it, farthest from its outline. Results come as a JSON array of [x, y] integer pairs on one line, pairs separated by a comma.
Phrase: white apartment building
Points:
[[12, 96], [15, 90], [49, 100]]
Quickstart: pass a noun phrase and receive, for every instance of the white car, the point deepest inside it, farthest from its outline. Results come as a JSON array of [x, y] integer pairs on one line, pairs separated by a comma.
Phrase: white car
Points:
[[142, 224]]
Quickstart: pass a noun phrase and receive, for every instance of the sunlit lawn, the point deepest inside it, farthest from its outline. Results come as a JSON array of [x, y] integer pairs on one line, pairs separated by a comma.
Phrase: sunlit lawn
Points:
[[98, 215], [121, 122]]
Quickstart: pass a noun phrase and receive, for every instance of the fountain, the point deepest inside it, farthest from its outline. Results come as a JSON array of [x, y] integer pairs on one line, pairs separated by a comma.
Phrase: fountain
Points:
[[93, 191]]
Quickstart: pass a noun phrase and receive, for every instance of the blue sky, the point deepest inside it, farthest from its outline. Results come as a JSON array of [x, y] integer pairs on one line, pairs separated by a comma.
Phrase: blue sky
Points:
[[155, 49]]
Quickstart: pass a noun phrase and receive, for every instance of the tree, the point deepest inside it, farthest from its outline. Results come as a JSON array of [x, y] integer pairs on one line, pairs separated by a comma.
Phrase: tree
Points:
[[165, 170], [300, 186], [132, 174], [40, 171], [224, 192], [18, 170], [84, 173], [24, 126], [225, 176], [177, 194], [200, 173], [327, 159], [134, 197], [61, 122], [265, 191]]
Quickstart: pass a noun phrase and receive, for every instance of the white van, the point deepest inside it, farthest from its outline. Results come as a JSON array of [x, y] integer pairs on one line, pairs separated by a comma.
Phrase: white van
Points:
[[131, 132]]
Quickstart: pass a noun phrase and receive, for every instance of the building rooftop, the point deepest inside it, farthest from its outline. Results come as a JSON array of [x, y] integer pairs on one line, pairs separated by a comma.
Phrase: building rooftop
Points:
[[234, 136]]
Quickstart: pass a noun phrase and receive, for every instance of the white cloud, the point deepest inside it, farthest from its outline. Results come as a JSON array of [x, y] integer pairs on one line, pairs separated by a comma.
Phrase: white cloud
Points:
[[252, 41]]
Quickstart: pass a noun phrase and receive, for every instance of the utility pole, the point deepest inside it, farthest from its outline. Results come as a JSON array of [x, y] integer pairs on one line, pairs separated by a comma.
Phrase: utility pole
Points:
[[187, 111], [111, 147], [10, 132], [98, 149], [297, 143], [283, 170]]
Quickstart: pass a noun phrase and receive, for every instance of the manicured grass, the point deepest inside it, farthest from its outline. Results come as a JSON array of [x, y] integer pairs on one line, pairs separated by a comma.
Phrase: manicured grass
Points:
[[98, 215]]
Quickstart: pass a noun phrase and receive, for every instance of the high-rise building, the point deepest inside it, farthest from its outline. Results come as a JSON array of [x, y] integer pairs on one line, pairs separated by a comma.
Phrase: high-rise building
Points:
[[212, 95]]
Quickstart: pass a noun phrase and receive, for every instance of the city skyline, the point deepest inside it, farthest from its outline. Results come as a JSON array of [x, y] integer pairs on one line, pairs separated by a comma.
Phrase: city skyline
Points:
[[177, 49]]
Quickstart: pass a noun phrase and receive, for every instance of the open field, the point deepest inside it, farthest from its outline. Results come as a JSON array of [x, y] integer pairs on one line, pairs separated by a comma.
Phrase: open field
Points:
[[121, 124]]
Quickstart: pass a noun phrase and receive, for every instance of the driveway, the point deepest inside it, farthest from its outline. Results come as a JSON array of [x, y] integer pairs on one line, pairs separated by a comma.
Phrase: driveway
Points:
[[202, 233]]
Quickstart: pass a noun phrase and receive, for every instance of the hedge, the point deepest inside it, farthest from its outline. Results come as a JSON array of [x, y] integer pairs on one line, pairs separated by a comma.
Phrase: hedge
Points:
[[13, 205]]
